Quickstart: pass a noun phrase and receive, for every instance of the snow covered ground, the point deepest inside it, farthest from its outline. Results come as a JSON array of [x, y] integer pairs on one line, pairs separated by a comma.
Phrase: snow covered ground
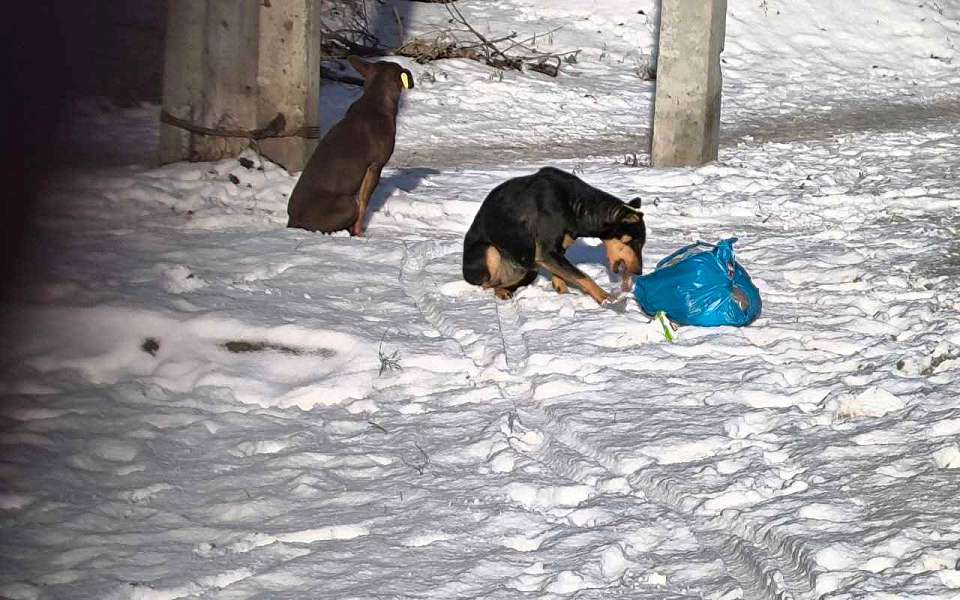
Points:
[[199, 402]]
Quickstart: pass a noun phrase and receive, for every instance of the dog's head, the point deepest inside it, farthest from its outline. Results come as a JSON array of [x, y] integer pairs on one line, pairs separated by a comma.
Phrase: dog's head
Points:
[[624, 237], [383, 73]]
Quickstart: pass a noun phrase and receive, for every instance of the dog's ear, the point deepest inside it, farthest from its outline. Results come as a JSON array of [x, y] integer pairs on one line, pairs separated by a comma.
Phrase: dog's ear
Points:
[[406, 79], [363, 67], [632, 213], [628, 215]]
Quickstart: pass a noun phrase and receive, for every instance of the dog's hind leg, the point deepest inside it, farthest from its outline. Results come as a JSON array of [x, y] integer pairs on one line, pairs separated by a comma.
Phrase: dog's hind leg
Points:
[[370, 180], [506, 292], [559, 285], [558, 266], [504, 275]]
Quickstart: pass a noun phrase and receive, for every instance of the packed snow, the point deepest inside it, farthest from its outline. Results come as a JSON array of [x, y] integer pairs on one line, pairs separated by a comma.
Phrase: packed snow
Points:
[[200, 402]]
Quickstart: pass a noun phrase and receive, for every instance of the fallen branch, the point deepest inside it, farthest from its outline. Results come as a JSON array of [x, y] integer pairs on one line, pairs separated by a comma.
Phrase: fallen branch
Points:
[[547, 63], [276, 128], [424, 51], [344, 42], [341, 43], [498, 58]]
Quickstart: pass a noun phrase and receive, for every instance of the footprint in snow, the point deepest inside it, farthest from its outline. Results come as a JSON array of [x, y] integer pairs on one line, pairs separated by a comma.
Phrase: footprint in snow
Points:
[[246, 449], [179, 279]]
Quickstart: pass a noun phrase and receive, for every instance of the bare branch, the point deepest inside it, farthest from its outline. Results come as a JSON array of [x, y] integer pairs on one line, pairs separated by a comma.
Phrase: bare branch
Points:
[[418, 467], [444, 43]]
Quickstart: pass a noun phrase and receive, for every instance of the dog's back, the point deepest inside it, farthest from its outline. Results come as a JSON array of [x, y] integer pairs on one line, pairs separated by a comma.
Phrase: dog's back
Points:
[[515, 213]]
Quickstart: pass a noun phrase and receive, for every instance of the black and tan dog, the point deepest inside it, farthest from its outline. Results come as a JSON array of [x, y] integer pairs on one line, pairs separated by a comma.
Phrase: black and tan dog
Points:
[[528, 223], [335, 186]]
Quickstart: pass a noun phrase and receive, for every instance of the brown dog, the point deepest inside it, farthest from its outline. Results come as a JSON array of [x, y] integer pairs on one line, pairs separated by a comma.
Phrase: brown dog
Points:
[[335, 186]]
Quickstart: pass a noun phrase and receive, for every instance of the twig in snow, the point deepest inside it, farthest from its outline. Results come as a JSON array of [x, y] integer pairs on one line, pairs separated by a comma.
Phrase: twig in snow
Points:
[[418, 467], [388, 362]]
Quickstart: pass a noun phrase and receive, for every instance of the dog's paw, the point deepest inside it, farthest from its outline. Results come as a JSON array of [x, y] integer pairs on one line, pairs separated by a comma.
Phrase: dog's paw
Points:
[[503, 293], [559, 285], [616, 302]]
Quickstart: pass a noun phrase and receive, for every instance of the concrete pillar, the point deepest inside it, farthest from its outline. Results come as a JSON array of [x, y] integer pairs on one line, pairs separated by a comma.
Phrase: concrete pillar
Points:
[[233, 65], [230, 76], [182, 75], [686, 123], [289, 76]]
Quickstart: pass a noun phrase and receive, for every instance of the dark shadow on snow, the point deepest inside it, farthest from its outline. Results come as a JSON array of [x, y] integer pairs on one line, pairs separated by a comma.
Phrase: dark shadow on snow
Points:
[[405, 180], [583, 254]]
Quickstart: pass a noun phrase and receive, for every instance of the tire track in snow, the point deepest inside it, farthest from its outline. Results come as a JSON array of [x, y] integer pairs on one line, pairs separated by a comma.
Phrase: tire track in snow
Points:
[[413, 278], [514, 344], [767, 566], [502, 340]]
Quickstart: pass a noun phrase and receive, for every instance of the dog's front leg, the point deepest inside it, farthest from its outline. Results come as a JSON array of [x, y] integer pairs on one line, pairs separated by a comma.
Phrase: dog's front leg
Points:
[[558, 266], [370, 180], [559, 285]]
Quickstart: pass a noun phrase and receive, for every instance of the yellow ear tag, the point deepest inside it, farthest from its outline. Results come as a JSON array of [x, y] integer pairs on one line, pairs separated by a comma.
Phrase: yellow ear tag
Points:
[[405, 80]]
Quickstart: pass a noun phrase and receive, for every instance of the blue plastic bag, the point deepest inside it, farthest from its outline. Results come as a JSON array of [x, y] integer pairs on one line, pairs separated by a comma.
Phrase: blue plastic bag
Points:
[[700, 284]]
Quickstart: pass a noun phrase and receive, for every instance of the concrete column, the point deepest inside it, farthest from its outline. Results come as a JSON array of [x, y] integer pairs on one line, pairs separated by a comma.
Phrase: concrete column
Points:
[[686, 123], [182, 74], [233, 65], [289, 76], [230, 76]]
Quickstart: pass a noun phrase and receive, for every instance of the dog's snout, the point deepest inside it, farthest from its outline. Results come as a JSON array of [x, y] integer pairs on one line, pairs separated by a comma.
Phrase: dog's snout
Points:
[[622, 258]]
